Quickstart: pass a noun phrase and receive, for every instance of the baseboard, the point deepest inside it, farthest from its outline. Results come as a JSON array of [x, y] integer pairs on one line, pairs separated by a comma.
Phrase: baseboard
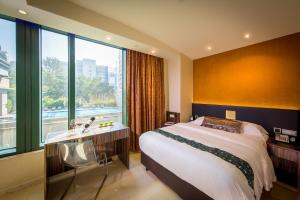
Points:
[[21, 186], [286, 186]]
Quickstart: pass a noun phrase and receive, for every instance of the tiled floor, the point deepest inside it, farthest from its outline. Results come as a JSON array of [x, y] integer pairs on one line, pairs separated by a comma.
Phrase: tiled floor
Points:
[[133, 184]]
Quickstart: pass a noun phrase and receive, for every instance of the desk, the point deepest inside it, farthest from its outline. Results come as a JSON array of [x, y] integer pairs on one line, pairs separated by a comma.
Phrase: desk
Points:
[[116, 137]]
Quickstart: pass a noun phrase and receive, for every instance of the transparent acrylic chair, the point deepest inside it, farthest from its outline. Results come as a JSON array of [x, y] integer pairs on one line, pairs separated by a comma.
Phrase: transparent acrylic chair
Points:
[[79, 155]]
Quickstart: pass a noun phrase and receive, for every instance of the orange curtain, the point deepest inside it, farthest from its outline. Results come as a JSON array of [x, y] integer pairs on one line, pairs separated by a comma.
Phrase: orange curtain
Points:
[[145, 94]]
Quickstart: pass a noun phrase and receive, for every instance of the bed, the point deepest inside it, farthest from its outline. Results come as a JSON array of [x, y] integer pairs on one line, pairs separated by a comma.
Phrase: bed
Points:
[[183, 157]]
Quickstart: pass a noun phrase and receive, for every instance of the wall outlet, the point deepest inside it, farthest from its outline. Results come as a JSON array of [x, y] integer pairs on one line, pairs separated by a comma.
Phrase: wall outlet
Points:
[[230, 114]]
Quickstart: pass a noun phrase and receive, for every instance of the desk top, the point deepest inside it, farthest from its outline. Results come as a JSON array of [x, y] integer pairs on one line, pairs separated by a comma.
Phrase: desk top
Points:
[[60, 136]]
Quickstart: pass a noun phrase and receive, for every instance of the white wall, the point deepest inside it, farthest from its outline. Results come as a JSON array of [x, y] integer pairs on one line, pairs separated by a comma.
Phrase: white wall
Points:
[[186, 88], [180, 86], [166, 82], [174, 84]]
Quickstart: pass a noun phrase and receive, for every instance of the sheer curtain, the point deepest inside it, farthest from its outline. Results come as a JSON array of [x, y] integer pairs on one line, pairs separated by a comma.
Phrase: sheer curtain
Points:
[[145, 94]]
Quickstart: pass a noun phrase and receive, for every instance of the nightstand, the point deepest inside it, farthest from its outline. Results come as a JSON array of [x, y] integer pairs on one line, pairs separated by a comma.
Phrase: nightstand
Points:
[[171, 118], [286, 161]]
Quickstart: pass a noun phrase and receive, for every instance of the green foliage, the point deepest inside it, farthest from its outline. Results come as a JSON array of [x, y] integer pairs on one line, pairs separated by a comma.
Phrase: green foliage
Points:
[[10, 106], [90, 92], [55, 83], [94, 93], [55, 80], [50, 103]]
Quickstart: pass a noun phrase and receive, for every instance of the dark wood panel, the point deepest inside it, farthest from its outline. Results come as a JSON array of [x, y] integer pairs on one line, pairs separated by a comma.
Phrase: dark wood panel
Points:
[[285, 158], [172, 117], [122, 150], [266, 117]]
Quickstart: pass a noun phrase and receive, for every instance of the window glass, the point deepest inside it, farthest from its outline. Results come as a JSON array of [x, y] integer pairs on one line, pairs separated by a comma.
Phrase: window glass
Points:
[[98, 81], [7, 84], [54, 82]]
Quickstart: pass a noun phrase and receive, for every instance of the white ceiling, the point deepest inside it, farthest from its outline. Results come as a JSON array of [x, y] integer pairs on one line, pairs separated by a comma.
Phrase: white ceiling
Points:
[[189, 26], [59, 14]]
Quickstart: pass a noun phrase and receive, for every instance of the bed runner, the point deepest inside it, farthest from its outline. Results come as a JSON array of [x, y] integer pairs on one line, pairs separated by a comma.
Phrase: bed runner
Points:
[[242, 165]]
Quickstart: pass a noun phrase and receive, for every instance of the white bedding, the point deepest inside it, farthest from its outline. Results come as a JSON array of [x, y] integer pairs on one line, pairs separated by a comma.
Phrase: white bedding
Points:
[[210, 174]]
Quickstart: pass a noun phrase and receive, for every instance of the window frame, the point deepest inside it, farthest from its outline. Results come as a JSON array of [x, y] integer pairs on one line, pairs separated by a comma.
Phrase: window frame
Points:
[[28, 89], [28, 64]]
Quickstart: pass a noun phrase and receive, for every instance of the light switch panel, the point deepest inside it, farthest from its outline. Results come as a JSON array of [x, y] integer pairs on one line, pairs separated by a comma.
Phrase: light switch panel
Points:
[[289, 132], [230, 114]]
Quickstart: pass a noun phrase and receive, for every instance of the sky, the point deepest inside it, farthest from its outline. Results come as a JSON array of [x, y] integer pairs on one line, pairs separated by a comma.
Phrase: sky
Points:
[[56, 45], [8, 38]]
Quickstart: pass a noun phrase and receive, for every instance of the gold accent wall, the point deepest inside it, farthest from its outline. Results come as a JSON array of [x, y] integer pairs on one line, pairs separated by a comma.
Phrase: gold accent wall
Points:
[[265, 75]]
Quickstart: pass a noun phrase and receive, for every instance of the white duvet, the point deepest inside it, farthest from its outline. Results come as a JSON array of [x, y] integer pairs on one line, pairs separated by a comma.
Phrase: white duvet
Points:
[[210, 174]]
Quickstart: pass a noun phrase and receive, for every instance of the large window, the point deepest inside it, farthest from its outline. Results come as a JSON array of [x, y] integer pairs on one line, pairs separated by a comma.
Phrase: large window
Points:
[[48, 78], [98, 81], [54, 82], [7, 85]]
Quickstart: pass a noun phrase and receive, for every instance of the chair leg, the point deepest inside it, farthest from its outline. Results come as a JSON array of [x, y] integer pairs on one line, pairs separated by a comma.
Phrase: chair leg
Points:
[[101, 186], [66, 191], [105, 177], [105, 160]]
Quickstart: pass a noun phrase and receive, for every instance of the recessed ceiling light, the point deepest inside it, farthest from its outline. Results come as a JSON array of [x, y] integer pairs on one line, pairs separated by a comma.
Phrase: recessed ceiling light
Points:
[[108, 37], [153, 51], [247, 36], [209, 48], [22, 12]]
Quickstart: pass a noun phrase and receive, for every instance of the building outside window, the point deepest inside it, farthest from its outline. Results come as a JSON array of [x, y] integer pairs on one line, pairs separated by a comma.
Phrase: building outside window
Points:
[[7, 84], [98, 81]]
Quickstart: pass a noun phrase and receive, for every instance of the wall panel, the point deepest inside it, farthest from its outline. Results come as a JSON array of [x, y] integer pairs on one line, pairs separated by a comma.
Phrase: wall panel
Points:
[[266, 74]]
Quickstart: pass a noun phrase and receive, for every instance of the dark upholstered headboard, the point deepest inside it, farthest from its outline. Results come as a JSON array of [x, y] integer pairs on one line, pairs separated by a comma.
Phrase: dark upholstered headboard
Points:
[[266, 117]]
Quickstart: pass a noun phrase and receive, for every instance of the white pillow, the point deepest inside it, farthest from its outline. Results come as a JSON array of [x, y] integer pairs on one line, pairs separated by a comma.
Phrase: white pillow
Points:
[[255, 130], [247, 128], [198, 121]]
